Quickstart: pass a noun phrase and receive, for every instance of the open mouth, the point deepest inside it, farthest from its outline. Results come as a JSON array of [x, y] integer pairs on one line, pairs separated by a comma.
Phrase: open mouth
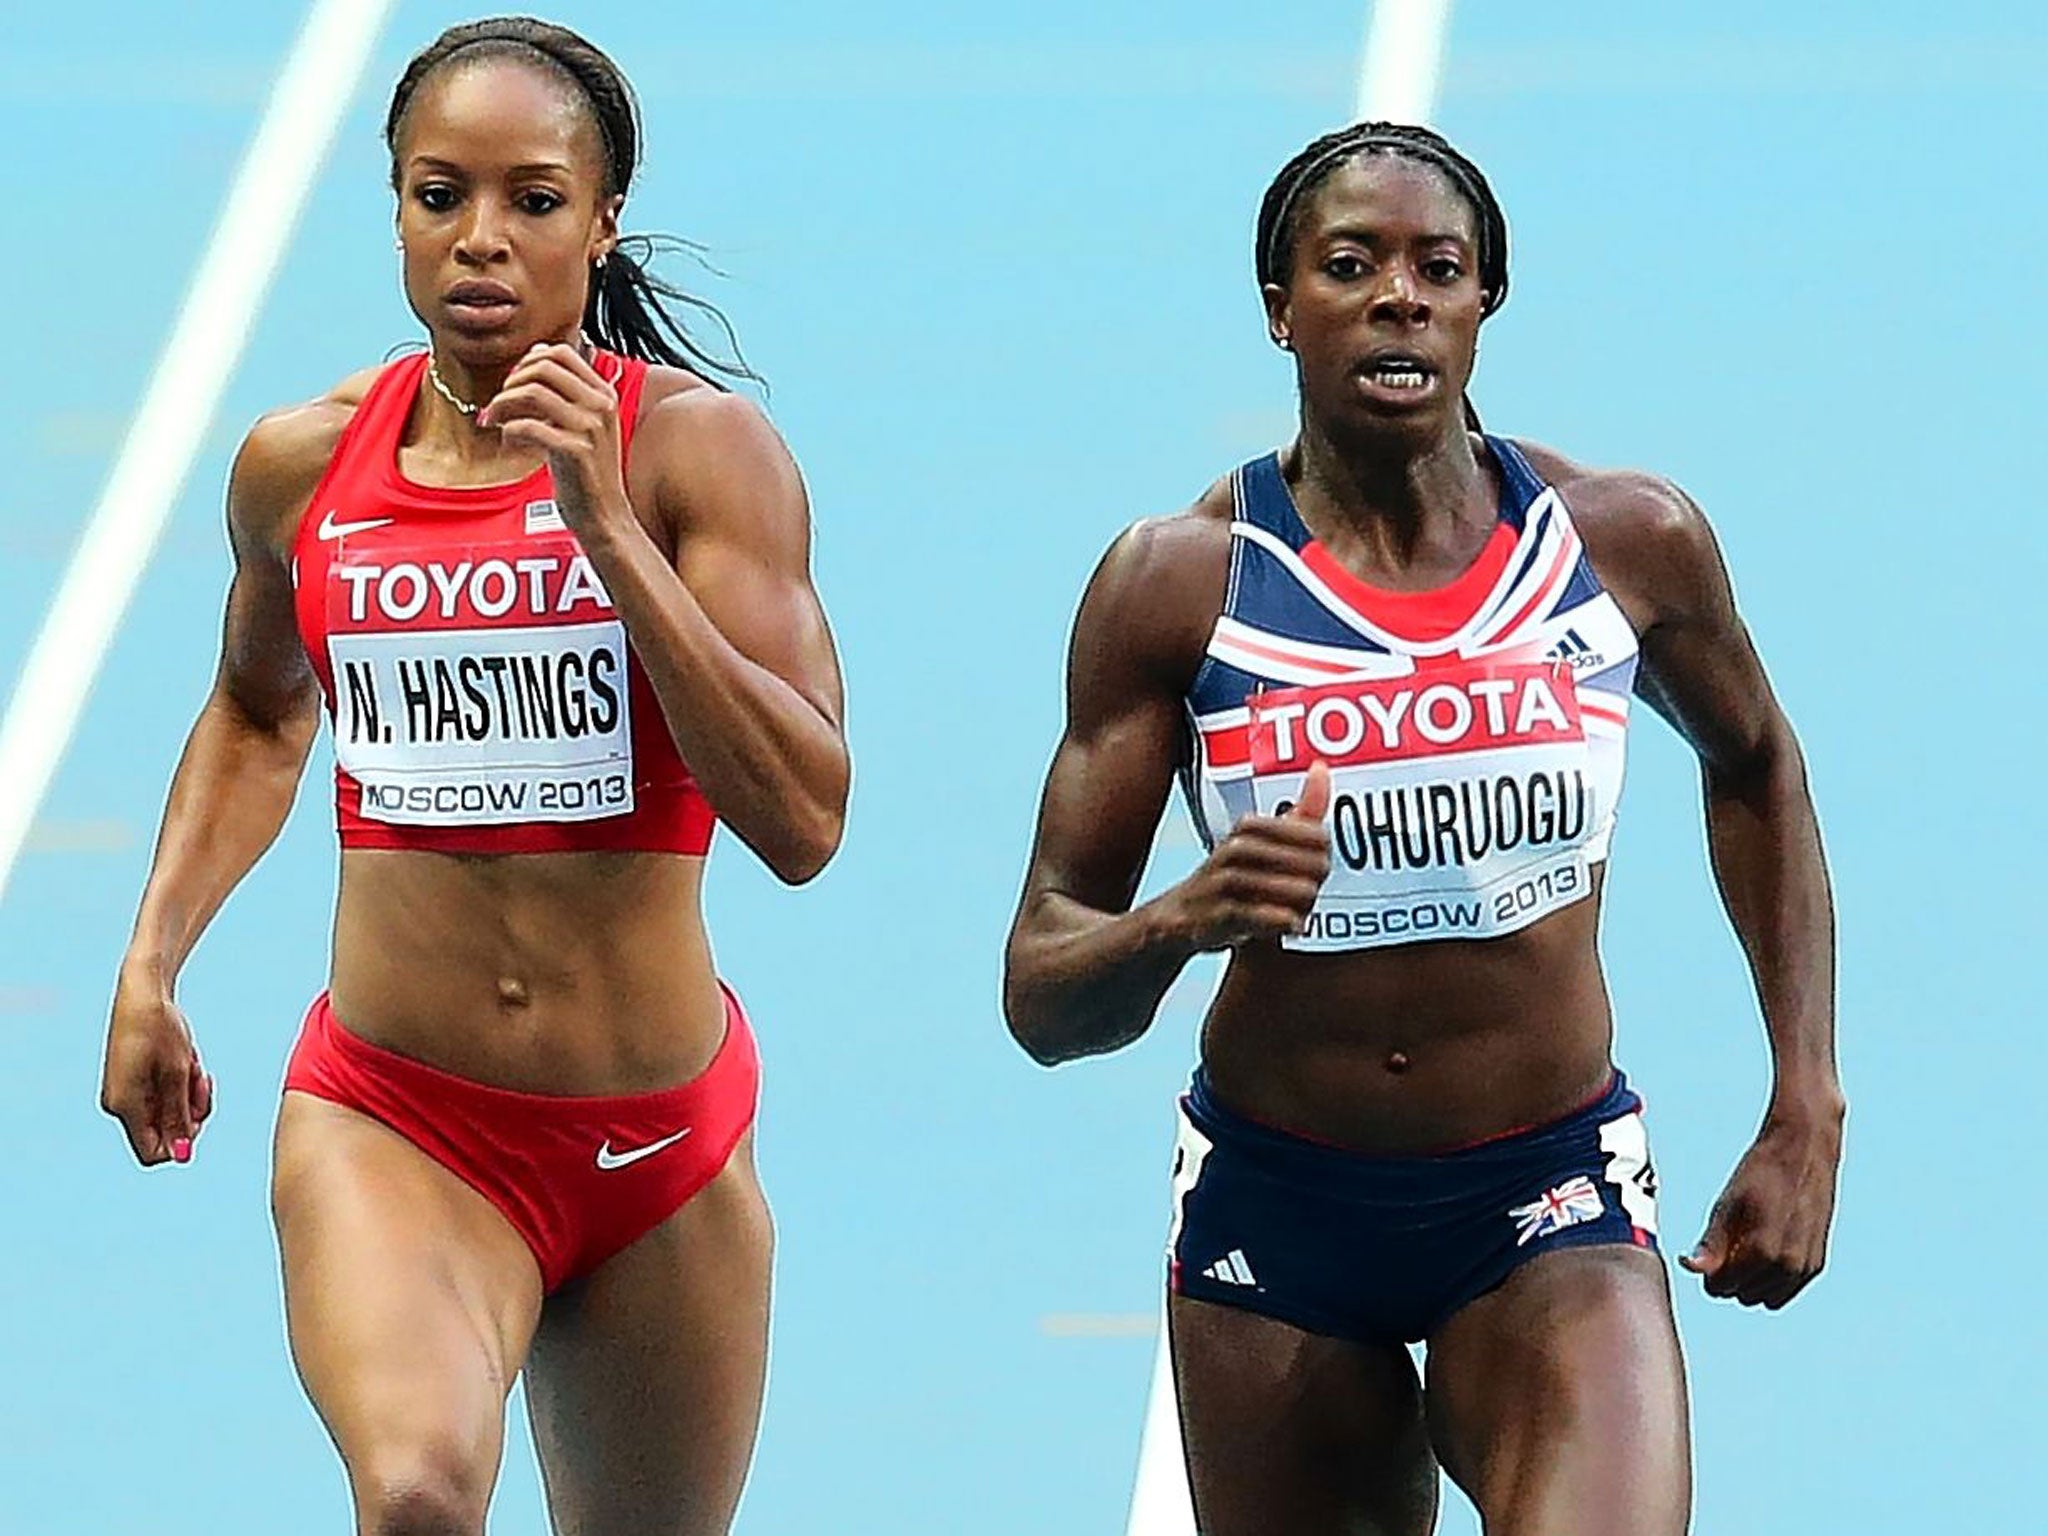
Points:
[[1398, 373]]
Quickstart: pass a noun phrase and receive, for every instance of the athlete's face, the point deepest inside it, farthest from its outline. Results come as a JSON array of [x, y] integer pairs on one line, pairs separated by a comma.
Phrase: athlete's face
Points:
[[1382, 304], [501, 209]]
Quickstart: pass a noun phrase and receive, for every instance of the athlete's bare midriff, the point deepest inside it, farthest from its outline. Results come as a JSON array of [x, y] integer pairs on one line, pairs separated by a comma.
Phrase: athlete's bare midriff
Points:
[[561, 973], [1412, 1048], [566, 973], [1417, 1048]]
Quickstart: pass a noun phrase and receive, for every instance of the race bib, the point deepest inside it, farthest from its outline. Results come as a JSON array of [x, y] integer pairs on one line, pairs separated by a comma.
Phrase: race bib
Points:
[[1462, 799], [453, 708]]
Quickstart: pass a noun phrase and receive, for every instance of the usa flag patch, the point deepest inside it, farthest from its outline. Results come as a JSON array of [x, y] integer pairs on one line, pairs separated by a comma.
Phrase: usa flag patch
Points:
[[1572, 1202]]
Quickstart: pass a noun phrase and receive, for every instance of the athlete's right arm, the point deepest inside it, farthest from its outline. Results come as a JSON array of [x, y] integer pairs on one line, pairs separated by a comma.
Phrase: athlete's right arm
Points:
[[1085, 970], [233, 787]]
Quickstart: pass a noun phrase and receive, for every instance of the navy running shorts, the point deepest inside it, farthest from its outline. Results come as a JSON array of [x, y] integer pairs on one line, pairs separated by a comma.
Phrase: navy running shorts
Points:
[[1385, 1249]]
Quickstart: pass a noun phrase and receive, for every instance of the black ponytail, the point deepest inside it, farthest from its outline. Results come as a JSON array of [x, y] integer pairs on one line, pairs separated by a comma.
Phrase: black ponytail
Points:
[[629, 310]]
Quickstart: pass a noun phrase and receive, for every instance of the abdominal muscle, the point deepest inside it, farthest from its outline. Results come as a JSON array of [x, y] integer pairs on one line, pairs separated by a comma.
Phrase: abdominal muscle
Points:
[[1417, 1048], [581, 973]]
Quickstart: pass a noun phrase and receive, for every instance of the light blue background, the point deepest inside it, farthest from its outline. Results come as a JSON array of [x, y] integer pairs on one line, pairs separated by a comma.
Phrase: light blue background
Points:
[[997, 269]]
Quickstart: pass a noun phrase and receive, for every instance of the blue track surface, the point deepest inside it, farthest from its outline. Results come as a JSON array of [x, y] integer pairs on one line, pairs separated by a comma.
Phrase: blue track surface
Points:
[[998, 272]]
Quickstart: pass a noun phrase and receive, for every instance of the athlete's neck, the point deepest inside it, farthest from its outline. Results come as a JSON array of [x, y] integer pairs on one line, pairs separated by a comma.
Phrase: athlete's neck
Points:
[[1388, 502], [450, 386]]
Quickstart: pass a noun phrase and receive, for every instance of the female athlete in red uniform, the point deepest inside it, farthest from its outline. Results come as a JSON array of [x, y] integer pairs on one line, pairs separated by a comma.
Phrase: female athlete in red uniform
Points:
[[1393, 665], [535, 577]]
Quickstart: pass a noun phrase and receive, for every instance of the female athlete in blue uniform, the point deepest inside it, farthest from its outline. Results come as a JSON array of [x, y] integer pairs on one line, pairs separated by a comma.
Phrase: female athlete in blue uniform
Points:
[[1392, 666]]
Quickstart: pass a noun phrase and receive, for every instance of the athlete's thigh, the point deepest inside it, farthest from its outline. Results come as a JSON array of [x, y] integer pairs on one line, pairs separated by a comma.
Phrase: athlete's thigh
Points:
[[1558, 1402], [1294, 1434], [645, 1379], [410, 1301]]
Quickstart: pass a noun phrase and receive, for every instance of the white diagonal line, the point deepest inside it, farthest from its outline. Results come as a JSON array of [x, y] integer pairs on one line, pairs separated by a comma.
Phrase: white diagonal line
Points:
[[242, 256]]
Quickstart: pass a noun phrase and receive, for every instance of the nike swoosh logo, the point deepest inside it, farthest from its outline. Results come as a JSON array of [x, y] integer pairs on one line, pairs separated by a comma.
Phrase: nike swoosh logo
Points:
[[607, 1159], [330, 529]]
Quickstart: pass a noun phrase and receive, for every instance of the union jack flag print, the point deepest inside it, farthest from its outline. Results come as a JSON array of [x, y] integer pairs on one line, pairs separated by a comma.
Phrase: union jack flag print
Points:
[[1572, 1202]]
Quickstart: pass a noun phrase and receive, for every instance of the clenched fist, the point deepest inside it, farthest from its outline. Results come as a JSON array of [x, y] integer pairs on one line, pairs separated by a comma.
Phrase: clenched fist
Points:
[[153, 1083], [1262, 880]]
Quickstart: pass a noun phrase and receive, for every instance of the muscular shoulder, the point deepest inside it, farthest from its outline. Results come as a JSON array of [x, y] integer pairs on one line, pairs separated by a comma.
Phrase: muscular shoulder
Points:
[[1648, 540], [282, 459], [681, 413], [1158, 590], [715, 463]]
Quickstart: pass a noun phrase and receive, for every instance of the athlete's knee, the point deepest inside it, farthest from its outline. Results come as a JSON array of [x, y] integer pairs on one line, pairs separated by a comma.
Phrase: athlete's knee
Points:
[[421, 1490]]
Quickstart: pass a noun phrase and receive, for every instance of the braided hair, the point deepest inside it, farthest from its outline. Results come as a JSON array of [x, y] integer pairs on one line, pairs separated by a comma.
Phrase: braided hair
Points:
[[1293, 189], [627, 310]]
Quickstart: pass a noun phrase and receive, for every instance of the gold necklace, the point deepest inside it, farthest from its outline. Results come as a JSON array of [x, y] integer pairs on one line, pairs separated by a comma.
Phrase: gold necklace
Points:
[[441, 386], [584, 347]]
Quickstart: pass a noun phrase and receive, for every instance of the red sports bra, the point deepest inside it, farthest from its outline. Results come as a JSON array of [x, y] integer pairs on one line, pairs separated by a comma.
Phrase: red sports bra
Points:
[[484, 695]]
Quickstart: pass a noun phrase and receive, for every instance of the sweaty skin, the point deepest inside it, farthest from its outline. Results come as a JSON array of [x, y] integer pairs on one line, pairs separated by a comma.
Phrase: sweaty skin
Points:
[[412, 1303], [704, 546], [1304, 1040], [1557, 1400]]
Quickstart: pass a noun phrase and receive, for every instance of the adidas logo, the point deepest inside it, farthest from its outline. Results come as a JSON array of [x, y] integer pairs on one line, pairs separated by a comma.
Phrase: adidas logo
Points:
[[1574, 650], [1232, 1269]]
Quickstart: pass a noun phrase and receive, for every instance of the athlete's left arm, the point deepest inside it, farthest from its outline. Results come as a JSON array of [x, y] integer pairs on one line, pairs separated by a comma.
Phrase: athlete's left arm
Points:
[[1767, 1236], [729, 628]]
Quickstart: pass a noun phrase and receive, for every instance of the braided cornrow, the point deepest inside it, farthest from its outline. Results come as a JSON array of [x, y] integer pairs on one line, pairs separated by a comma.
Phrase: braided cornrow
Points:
[[1293, 189], [625, 311]]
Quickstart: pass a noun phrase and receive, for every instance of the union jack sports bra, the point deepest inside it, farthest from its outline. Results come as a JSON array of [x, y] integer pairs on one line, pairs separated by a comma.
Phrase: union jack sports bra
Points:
[[1475, 734]]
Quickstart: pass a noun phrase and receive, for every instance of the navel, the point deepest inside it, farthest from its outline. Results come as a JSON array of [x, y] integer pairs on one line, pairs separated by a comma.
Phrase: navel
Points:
[[512, 992], [1397, 1062]]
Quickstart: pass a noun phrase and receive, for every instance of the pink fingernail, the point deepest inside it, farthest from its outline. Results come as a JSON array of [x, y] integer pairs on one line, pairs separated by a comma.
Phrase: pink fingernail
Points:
[[181, 1150]]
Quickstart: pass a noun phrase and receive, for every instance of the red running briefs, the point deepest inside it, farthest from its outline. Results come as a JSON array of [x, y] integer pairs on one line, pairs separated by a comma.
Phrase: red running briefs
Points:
[[578, 1177]]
